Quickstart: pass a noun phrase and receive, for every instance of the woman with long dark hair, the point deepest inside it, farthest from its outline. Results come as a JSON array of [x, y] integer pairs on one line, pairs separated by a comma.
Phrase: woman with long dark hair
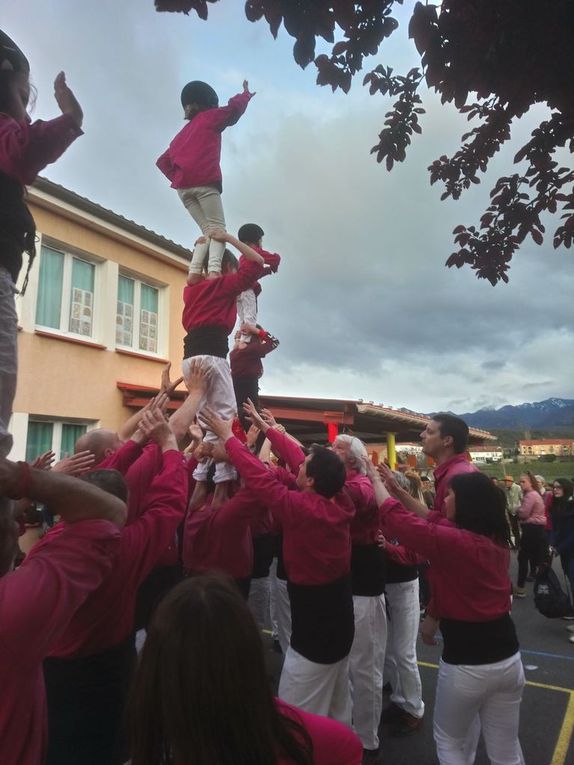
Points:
[[480, 677], [202, 696], [533, 548]]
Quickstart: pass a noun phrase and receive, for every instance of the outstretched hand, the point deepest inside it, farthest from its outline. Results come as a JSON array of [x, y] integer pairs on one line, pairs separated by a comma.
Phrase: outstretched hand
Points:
[[154, 426], [222, 428], [254, 416], [76, 464], [389, 480], [66, 100], [246, 87], [44, 461], [197, 376], [166, 385]]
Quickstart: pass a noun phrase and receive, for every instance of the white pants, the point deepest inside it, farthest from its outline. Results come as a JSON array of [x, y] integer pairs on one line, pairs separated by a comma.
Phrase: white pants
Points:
[[366, 662], [401, 668], [258, 600], [220, 397], [469, 698], [322, 689], [247, 310], [203, 203], [280, 609], [8, 357]]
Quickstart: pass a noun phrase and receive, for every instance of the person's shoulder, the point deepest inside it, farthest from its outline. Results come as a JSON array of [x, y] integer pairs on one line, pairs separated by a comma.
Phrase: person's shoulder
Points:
[[333, 742]]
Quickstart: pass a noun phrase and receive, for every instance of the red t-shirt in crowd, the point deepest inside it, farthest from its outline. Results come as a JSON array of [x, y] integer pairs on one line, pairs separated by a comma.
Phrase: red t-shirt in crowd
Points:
[[468, 572], [37, 602], [316, 530], [107, 617], [220, 539], [213, 302], [365, 523], [333, 742], [444, 473]]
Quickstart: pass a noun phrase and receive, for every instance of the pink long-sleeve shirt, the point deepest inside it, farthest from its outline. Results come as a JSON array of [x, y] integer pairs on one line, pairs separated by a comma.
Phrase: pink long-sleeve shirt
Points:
[[531, 509], [26, 148], [193, 157]]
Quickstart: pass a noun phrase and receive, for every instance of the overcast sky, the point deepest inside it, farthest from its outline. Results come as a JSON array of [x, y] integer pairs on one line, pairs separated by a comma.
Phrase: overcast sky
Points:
[[362, 304]]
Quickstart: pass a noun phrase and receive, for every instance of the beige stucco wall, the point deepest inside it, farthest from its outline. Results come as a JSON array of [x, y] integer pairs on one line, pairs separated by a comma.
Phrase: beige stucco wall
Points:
[[67, 379]]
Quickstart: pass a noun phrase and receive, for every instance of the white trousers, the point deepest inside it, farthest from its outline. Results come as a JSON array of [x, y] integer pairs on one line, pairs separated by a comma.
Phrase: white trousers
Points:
[[280, 609], [322, 689], [258, 600], [471, 698], [220, 397], [401, 668], [203, 203], [247, 310], [366, 662]]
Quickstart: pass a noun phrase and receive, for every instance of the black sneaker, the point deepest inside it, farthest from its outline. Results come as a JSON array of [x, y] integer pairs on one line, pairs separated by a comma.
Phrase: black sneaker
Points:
[[391, 714], [406, 725]]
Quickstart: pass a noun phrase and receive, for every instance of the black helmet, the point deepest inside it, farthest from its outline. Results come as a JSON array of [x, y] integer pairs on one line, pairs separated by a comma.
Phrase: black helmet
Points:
[[11, 57], [201, 93]]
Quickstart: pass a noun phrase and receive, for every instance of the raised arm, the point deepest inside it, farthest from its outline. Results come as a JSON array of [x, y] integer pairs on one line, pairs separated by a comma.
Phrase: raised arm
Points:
[[72, 499], [391, 488], [182, 419]]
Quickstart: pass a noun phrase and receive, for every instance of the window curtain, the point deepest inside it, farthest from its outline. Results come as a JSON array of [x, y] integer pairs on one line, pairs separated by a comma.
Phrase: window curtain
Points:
[[50, 288], [70, 434], [82, 298], [39, 439], [125, 311], [148, 318]]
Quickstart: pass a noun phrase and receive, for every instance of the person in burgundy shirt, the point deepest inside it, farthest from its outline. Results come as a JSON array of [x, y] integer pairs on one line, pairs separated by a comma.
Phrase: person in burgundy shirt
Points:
[[481, 678], [89, 669], [202, 692], [315, 520], [38, 600], [445, 439], [252, 234], [247, 367], [191, 163], [209, 315], [26, 147], [367, 656]]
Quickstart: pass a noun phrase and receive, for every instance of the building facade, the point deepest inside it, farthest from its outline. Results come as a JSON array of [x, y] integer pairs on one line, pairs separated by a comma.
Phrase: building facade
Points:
[[102, 309], [561, 447]]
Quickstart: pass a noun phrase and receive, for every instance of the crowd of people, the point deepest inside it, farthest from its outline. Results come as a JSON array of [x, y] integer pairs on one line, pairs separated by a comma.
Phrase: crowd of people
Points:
[[186, 529]]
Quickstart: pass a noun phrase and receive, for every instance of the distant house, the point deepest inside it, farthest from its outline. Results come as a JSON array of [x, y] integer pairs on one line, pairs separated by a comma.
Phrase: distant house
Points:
[[485, 453], [537, 447]]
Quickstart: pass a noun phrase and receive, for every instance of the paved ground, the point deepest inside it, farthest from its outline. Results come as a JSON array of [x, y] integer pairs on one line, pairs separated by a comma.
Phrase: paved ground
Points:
[[547, 715]]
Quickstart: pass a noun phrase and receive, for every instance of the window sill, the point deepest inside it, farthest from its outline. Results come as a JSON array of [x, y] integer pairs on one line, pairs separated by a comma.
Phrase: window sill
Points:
[[69, 339], [141, 355]]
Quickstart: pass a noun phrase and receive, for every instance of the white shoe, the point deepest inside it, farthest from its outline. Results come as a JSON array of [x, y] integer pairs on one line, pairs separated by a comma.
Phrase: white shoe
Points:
[[570, 628], [571, 638]]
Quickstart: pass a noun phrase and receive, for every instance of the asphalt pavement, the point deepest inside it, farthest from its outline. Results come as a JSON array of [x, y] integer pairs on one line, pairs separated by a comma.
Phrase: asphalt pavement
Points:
[[547, 712]]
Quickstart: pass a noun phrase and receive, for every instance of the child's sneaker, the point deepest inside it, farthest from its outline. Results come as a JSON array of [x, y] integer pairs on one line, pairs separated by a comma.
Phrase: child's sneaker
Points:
[[519, 592]]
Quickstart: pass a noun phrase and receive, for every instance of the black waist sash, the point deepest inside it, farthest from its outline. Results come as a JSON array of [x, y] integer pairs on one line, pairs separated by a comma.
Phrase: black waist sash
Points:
[[478, 642], [322, 618], [367, 570], [206, 341], [86, 699]]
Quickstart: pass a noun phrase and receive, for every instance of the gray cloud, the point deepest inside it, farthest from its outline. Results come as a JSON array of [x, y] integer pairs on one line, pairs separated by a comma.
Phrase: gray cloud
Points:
[[363, 304]]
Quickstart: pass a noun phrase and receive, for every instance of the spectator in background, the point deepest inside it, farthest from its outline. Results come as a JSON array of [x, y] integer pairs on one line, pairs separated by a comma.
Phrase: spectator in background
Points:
[[533, 544], [513, 494]]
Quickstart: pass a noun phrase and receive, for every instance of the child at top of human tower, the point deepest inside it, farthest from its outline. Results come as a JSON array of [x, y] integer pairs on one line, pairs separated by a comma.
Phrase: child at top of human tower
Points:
[[192, 164]]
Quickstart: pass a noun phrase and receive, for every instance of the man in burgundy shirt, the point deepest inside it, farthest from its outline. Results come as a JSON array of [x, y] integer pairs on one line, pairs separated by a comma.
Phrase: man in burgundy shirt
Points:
[[315, 520], [90, 666], [38, 600]]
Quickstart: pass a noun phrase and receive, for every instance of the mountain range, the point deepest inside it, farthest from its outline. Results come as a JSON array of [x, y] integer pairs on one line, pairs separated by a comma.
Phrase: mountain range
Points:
[[553, 414]]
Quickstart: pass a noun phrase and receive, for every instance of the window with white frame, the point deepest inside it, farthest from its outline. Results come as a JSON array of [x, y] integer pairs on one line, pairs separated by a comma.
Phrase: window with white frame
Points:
[[55, 435], [66, 293], [137, 315]]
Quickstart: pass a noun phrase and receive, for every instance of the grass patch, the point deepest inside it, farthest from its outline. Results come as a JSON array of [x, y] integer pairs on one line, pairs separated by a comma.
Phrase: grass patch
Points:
[[550, 470]]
